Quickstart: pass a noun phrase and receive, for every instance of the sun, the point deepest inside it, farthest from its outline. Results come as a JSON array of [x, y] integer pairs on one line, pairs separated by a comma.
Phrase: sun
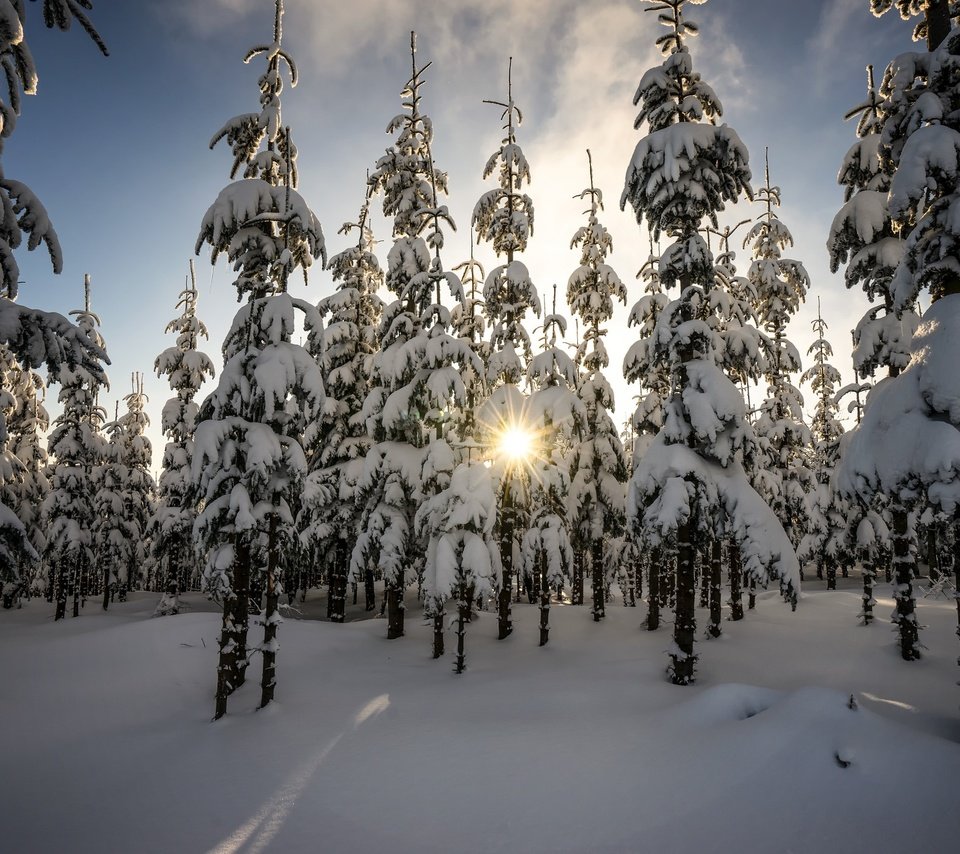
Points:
[[516, 444]]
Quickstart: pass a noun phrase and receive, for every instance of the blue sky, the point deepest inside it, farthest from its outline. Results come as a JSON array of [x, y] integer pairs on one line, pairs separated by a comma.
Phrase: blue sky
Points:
[[117, 148]]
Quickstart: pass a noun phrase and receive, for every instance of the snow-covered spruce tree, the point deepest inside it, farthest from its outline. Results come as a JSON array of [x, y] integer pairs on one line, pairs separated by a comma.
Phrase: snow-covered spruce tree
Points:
[[110, 531], [780, 285], [469, 324], [828, 513], [76, 445], [690, 483], [137, 489], [446, 357], [462, 556], [504, 217], [15, 550], [171, 528], [907, 447], [413, 379], [34, 337], [642, 366], [338, 440], [744, 360], [24, 482], [248, 463], [598, 465], [556, 416], [864, 238]]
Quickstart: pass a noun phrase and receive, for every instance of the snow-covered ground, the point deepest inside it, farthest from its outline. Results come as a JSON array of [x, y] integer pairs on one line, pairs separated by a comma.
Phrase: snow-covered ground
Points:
[[106, 743]]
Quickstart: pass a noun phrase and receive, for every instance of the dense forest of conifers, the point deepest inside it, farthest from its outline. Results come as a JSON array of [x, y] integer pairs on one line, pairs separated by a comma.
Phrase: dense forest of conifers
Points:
[[410, 433]]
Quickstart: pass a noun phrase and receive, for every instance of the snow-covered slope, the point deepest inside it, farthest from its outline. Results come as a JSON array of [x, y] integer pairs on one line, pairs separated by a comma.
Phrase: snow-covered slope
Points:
[[579, 746]]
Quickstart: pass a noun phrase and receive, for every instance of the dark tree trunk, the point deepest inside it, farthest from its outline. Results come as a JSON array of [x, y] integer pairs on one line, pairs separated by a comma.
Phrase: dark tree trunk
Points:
[[464, 604], [75, 581], [637, 570], [933, 553], [106, 585], [369, 593], [438, 615], [704, 562], [716, 588], [504, 616], [869, 578], [227, 663], [471, 595], [395, 607], [938, 22], [576, 592], [685, 623], [903, 565], [752, 595], [60, 590], [241, 602], [653, 589], [596, 572], [338, 583], [736, 582], [544, 602], [668, 578], [831, 567], [271, 617]]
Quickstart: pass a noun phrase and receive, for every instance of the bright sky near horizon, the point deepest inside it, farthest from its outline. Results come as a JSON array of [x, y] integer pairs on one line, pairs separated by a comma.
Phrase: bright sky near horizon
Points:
[[117, 148]]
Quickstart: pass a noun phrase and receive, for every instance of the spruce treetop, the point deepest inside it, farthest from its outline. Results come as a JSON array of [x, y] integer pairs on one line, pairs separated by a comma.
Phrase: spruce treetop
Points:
[[406, 174], [261, 223], [504, 216]]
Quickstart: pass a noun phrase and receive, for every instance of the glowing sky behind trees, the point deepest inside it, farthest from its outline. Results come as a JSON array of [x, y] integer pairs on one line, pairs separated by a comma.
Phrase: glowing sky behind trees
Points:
[[117, 148]]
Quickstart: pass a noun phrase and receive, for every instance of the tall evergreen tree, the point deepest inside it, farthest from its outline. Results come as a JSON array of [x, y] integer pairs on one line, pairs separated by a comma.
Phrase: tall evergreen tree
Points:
[[557, 417], [863, 237], [907, 447], [503, 216], [413, 379], [641, 365], [24, 482], [110, 531], [780, 285], [137, 489], [248, 463], [76, 445], [33, 337], [828, 512], [598, 465], [338, 441], [186, 369], [690, 483]]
